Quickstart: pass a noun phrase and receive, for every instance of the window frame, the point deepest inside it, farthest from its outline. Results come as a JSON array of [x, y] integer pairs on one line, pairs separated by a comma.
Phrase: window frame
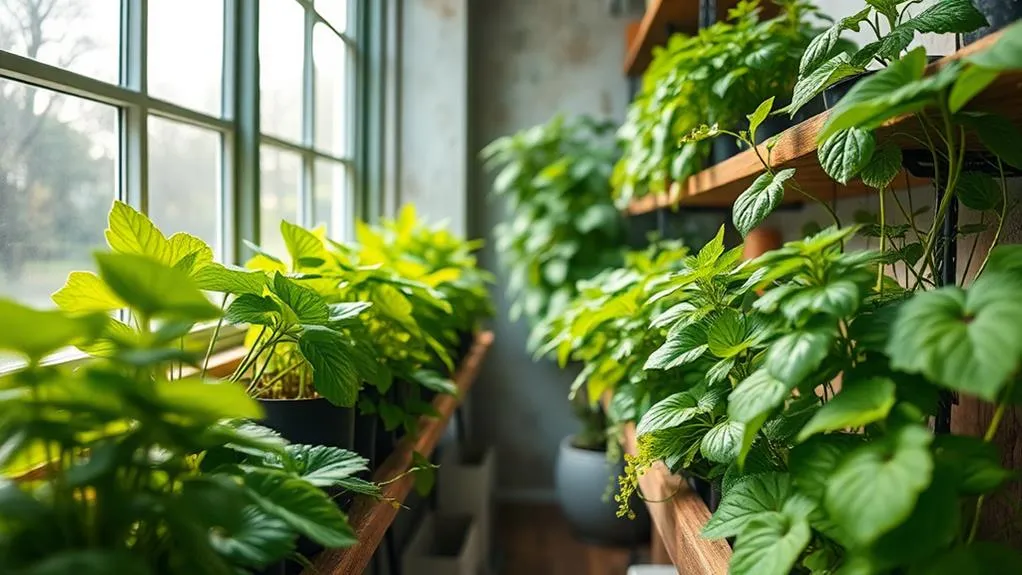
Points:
[[238, 124]]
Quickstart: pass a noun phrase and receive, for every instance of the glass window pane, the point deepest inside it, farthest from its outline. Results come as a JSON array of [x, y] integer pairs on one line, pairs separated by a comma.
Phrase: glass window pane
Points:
[[79, 35], [335, 12], [330, 56], [281, 54], [58, 178], [281, 177], [184, 180], [187, 70], [330, 200]]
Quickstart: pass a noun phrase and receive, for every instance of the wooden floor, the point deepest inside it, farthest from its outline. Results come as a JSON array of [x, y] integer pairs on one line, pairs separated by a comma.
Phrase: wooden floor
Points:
[[536, 540]]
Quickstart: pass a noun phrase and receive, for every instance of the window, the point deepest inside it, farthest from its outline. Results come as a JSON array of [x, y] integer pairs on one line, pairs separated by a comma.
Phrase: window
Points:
[[136, 100]]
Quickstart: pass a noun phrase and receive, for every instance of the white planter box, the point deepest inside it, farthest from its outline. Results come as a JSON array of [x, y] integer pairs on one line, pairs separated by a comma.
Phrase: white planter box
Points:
[[465, 484], [444, 545]]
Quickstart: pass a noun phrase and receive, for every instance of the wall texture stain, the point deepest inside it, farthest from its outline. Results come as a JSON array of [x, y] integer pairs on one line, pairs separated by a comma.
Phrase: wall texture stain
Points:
[[531, 59], [447, 9]]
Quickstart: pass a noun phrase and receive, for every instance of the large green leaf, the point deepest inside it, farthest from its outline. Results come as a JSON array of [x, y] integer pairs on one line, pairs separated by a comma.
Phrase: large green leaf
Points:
[[751, 496], [226, 279], [859, 403], [323, 466], [130, 232], [1005, 55], [257, 540], [757, 395], [308, 306], [979, 191], [838, 299], [253, 309], [207, 401], [997, 133], [981, 558], [334, 374], [876, 487], [722, 443], [934, 524], [883, 167], [302, 245], [89, 562], [770, 544], [685, 346], [973, 464], [846, 153], [301, 505], [670, 412], [812, 463], [85, 292], [971, 83], [968, 341], [762, 198], [154, 289], [727, 334], [36, 333], [827, 74], [795, 356], [948, 16]]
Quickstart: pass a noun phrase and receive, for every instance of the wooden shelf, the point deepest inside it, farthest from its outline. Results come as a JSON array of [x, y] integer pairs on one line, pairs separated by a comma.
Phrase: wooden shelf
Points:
[[371, 518], [679, 515], [720, 185]]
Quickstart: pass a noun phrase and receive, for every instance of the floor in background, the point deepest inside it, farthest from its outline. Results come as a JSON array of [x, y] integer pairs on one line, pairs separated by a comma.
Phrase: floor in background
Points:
[[536, 540]]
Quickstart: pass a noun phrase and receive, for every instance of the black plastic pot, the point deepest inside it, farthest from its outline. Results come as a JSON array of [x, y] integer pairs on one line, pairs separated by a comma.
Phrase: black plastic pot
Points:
[[724, 146], [465, 341], [581, 478], [311, 421], [365, 438], [999, 14], [833, 94]]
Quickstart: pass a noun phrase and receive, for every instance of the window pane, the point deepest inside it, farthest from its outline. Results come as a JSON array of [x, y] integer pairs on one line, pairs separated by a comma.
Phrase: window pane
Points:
[[330, 55], [186, 67], [281, 177], [58, 177], [335, 12], [330, 200], [184, 180], [79, 35], [281, 54]]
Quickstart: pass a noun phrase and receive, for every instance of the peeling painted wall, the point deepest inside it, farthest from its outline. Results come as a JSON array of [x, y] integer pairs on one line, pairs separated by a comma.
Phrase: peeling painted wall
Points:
[[530, 59]]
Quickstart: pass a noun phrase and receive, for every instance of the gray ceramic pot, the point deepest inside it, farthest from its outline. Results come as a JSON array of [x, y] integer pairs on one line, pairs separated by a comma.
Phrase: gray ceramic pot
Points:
[[582, 477]]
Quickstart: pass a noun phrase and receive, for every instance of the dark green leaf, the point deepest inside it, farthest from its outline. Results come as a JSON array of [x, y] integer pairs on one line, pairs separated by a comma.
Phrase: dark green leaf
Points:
[[795, 356], [770, 545], [883, 167], [830, 72], [978, 191], [756, 396], [846, 153], [748, 498], [324, 466], [974, 464], [813, 462], [762, 198], [89, 562], [301, 505], [948, 16], [257, 540], [998, 134], [980, 558], [722, 443], [334, 375], [727, 334], [837, 299], [685, 346], [667, 413]]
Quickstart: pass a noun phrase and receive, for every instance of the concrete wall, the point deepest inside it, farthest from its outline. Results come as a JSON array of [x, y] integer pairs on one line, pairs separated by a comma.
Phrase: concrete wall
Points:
[[529, 60]]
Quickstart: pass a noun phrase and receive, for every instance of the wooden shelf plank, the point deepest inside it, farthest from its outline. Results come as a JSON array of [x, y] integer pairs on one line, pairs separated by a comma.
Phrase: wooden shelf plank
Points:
[[682, 14], [720, 185], [371, 518]]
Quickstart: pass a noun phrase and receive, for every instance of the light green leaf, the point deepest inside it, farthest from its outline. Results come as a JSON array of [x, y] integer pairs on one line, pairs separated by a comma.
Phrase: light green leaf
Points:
[[795, 356], [434, 381], [812, 463], [757, 117], [207, 401], [302, 245], [846, 153], [302, 506], [130, 232], [762, 198], [756, 396], [228, 279], [153, 289], [722, 443], [819, 49], [670, 412], [877, 485], [393, 304], [883, 167], [972, 81], [859, 403], [35, 333], [948, 16], [308, 306], [184, 247], [1005, 55], [685, 346], [751, 496], [672, 314], [345, 311], [84, 292], [597, 216], [770, 545], [829, 73], [727, 335], [334, 375], [979, 191], [967, 341], [253, 309]]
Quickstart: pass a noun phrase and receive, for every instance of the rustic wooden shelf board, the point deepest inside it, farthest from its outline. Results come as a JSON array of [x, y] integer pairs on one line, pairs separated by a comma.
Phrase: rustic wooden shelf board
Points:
[[679, 515], [370, 518], [682, 14], [720, 185]]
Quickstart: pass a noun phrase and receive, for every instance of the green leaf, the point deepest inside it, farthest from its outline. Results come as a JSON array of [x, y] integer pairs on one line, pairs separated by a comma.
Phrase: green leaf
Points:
[[812, 463], [393, 304], [967, 341], [727, 335], [998, 134], [333, 374], [948, 16], [969, 84], [258, 539], [876, 487], [301, 505], [324, 466], [883, 167], [837, 299], [153, 289], [425, 473], [757, 117], [597, 216], [130, 232], [89, 562], [895, 42], [770, 545], [979, 191], [859, 403], [762, 198], [35, 333], [206, 401], [973, 464], [670, 412], [308, 306], [846, 153], [84, 292], [722, 443], [434, 381], [253, 309], [1005, 55], [934, 524], [226, 279], [980, 558], [795, 356], [302, 245], [828, 74], [819, 49], [685, 346], [756, 396], [672, 314], [750, 497]]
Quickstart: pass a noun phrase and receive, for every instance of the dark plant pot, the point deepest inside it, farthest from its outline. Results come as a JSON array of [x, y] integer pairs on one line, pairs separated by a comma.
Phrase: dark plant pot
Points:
[[833, 94], [724, 147], [311, 421], [386, 442], [581, 478], [465, 341], [999, 14], [702, 487], [365, 439]]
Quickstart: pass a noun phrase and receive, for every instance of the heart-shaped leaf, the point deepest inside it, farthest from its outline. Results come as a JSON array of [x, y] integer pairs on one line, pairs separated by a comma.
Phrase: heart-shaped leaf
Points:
[[751, 496], [795, 356], [846, 153], [762, 198], [757, 395], [722, 443], [334, 374], [883, 167], [669, 412], [770, 544]]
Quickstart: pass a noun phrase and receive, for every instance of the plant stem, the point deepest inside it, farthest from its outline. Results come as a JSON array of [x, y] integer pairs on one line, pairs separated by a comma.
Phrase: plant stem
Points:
[[1000, 218], [247, 360], [259, 373], [883, 242], [212, 340], [975, 243], [954, 160], [988, 437]]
